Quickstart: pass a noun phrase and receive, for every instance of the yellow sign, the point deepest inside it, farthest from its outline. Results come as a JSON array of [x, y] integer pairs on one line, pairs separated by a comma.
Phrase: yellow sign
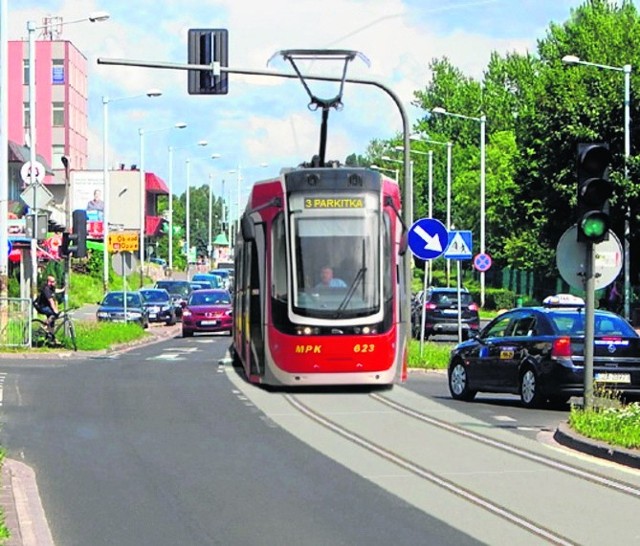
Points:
[[341, 203], [123, 241]]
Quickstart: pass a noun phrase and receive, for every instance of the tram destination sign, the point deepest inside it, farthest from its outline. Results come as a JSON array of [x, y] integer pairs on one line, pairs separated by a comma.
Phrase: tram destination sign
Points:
[[334, 203], [123, 241]]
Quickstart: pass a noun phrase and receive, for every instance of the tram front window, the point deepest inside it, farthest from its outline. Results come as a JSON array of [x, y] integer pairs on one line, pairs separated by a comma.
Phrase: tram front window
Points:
[[337, 265]]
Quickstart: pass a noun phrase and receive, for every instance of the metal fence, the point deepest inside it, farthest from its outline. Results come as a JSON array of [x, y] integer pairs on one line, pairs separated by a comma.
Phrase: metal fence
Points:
[[15, 322]]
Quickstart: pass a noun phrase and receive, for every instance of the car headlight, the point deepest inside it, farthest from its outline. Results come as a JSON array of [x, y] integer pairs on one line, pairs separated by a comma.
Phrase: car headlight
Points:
[[166, 307], [186, 313], [229, 312], [133, 314], [102, 314]]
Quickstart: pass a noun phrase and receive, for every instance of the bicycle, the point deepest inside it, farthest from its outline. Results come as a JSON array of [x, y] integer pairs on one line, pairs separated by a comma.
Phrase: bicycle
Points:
[[63, 335]]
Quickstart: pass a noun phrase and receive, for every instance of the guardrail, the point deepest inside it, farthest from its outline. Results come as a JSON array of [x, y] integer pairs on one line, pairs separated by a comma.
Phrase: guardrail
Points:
[[15, 322]]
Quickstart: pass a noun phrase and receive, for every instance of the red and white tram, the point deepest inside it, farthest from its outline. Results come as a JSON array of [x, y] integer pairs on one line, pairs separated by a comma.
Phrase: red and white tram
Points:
[[289, 329]]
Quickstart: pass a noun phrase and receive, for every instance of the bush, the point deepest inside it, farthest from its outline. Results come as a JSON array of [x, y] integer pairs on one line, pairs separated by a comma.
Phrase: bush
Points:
[[495, 298]]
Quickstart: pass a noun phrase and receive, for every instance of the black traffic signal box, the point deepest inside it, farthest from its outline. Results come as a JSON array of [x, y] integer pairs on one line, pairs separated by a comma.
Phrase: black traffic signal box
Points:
[[75, 243], [206, 47], [594, 191]]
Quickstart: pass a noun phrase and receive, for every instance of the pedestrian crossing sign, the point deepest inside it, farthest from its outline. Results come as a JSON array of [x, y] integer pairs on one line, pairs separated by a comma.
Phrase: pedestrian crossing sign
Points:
[[459, 247]]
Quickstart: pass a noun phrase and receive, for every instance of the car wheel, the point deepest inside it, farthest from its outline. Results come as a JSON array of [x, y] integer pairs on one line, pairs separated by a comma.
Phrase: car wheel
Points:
[[171, 321], [187, 333], [529, 389], [459, 383]]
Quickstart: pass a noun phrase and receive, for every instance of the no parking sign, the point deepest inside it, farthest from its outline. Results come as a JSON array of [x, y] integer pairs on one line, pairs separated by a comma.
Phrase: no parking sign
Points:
[[482, 262]]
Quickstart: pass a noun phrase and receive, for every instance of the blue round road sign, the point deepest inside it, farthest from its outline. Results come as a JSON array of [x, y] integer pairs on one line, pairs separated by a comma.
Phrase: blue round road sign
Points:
[[428, 238], [482, 262]]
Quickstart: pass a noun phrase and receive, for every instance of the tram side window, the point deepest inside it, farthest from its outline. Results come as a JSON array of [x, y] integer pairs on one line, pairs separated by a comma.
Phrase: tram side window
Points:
[[279, 260]]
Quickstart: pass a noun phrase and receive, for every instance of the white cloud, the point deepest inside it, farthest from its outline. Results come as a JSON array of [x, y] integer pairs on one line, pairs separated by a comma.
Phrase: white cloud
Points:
[[266, 119]]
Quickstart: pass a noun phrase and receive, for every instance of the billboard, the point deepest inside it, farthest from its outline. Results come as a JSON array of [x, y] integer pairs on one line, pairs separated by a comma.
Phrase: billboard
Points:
[[87, 193]]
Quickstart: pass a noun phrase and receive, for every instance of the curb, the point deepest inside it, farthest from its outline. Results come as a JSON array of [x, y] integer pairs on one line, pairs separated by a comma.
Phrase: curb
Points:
[[567, 437]]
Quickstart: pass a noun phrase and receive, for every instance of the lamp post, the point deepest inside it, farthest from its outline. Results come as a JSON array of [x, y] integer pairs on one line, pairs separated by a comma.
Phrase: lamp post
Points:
[[482, 120], [151, 93], [31, 30], [210, 245], [142, 132], [626, 70], [171, 150], [449, 146], [238, 173]]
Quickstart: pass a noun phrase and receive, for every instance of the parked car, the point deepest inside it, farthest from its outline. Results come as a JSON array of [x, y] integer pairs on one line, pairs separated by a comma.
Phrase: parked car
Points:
[[202, 285], [159, 261], [207, 311], [441, 313], [538, 353], [215, 281], [179, 291], [112, 308], [159, 304]]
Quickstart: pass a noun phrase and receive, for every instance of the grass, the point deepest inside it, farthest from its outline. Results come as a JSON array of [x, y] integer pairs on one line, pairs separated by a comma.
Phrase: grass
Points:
[[435, 356], [610, 420], [96, 336]]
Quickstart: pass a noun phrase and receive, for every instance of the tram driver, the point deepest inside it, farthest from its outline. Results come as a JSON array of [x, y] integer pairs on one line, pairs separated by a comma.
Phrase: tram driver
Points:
[[327, 280]]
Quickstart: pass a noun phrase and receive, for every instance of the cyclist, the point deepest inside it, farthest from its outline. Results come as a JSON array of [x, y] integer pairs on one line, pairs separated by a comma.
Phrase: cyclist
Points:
[[46, 303]]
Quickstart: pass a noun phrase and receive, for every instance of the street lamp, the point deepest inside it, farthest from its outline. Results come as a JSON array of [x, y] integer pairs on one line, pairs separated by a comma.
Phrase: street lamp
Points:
[[483, 122], [142, 132], [383, 169], [151, 93], [31, 30], [238, 172], [449, 146], [626, 70], [210, 245], [171, 150]]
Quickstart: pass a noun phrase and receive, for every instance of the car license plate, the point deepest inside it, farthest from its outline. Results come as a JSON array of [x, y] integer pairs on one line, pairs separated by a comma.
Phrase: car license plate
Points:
[[613, 377], [209, 322], [152, 315], [450, 311]]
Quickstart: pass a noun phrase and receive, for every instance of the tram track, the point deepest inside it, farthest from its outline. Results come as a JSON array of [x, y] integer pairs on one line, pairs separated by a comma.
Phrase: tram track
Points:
[[483, 499]]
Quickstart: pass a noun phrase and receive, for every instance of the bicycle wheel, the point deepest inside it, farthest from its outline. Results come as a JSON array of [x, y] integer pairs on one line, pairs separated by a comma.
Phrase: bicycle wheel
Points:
[[40, 336], [65, 333]]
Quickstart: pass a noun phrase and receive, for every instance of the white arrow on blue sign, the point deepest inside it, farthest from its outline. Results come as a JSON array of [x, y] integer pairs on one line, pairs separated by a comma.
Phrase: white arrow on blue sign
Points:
[[459, 247], [427, 238]]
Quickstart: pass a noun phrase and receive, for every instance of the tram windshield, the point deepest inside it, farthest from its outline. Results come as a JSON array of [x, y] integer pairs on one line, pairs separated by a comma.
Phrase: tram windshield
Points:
[[336, 264]]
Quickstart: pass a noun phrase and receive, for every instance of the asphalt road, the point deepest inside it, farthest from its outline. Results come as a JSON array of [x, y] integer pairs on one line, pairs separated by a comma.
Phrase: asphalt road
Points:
[[155, 446]]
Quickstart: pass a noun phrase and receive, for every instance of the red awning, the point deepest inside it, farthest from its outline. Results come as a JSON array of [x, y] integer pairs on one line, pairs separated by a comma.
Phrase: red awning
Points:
[[152, 225], [155, 184]]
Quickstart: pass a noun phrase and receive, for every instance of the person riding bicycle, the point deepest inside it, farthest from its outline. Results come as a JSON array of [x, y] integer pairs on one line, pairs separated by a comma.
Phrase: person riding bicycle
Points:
[[46, 303]]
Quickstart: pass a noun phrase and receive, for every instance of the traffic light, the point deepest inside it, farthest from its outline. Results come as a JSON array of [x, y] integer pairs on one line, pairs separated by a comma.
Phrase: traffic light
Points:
[[208, 46], [594, 191], [76, 243]]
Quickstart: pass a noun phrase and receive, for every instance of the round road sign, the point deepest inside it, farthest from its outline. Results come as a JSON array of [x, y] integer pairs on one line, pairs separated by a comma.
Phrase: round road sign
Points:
[[482, 262], [571, 257], [25, 172]]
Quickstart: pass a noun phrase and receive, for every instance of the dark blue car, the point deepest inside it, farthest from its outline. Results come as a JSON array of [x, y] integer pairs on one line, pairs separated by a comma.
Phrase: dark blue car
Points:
[[112, 308], [538, 353]]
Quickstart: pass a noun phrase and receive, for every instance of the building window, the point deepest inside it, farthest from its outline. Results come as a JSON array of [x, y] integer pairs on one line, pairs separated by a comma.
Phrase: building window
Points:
[[57, 152], [57, 71], [26, 110], [58, 114], [25, 71]]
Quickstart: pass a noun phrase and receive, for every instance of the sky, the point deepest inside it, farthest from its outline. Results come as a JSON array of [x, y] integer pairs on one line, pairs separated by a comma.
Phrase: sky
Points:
[[264, 120]]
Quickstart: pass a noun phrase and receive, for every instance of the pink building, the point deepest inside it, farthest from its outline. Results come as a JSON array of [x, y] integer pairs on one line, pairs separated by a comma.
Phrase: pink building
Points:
[[61, 100]]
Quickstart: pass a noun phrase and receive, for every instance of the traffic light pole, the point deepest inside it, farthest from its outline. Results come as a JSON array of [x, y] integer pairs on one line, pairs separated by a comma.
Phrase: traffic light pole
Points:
[[589, 326]]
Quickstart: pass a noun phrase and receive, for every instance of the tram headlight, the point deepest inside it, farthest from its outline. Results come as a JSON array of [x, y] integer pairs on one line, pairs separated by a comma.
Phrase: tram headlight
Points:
[[365, 330], [307, 330]]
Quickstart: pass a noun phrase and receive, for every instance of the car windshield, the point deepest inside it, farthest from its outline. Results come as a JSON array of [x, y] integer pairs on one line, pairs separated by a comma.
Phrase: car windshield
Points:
[[155, 295], [116, 299], [209, 298], [572, 324], [446, 298], [181, 288]]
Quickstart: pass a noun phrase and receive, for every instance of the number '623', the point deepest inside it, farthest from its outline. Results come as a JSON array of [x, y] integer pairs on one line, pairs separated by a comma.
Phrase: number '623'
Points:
[[364, 348]]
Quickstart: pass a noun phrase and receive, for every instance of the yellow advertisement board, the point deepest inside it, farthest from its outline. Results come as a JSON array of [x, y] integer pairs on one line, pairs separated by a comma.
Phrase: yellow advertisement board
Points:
[[123, 241]]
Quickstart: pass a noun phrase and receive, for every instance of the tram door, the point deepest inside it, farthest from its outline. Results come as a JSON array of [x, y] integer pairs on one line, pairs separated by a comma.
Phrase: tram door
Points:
[[251, 309]]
